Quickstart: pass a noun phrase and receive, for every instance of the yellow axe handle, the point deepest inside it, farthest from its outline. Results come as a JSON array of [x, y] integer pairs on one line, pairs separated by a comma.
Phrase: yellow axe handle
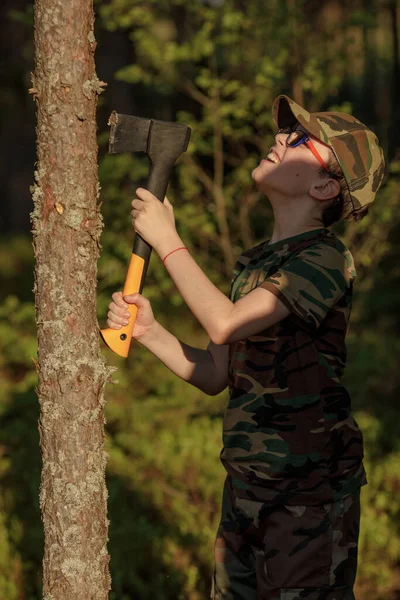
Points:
[[119, 340]]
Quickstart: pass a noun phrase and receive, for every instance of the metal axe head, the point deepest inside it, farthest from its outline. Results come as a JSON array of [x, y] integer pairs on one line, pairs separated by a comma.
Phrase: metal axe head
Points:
[[160, 140]]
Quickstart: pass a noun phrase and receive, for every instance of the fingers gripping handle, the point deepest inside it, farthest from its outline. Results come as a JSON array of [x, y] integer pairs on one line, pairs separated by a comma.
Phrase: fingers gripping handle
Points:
[[119, 340]]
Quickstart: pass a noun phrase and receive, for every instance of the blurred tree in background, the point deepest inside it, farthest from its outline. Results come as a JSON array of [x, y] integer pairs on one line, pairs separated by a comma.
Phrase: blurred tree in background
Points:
[[215, 65]]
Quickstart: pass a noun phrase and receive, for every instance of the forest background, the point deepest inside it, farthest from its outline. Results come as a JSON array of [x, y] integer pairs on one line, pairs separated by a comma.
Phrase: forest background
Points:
[[215, 66]]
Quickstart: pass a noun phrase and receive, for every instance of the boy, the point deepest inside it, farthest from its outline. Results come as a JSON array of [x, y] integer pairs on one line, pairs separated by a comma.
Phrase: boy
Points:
[[292, 450]]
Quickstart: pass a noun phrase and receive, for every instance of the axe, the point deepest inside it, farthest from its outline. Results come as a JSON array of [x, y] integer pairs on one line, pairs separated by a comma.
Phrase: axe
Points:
[[163, 142]]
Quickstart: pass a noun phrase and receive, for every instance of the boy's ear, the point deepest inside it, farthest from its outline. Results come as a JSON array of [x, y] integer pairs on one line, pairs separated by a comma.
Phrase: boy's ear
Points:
[[325, 189]]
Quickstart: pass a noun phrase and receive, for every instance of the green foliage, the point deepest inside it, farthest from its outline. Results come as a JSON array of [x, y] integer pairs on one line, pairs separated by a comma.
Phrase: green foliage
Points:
[[380, 525], [21, 537], [166, 483], [222, 67], [217, 69]]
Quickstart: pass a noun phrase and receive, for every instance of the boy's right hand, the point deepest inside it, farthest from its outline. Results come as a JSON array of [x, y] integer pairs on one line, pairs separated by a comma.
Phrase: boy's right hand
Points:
[[118, 315]]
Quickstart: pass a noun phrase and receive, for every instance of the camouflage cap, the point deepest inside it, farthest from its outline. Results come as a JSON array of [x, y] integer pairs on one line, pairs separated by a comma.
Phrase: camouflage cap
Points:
[[355, 147]]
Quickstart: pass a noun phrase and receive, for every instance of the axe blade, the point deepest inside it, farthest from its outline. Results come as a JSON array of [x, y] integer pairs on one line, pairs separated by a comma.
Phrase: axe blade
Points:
[[128, 133]]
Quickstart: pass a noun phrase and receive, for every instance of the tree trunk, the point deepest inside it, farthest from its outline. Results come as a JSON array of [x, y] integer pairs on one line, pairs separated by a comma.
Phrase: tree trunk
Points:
[[72, 374]]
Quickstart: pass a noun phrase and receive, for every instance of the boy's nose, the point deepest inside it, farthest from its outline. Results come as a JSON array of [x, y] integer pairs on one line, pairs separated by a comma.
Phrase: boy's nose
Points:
[[281, 137]]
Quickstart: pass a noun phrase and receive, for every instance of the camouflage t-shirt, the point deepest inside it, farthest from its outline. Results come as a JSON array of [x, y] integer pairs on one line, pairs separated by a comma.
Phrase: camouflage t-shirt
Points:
[[289, 435]]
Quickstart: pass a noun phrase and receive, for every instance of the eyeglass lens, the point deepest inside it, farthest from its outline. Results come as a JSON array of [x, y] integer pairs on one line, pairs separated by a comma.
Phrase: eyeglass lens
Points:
[[295, 137]]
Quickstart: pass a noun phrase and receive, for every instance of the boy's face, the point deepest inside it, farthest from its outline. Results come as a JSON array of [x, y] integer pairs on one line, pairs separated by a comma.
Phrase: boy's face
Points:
[[291, 172]]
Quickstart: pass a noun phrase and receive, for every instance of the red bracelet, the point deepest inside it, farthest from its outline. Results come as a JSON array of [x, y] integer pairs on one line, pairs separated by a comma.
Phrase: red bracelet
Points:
[[169, 254]]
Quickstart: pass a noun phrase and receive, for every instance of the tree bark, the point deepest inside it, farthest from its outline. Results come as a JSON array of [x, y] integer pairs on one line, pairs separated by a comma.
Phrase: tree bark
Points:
[[72, 374]]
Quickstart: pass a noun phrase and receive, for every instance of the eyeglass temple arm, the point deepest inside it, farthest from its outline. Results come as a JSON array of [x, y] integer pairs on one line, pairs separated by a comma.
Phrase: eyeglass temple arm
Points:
[[311, 147]]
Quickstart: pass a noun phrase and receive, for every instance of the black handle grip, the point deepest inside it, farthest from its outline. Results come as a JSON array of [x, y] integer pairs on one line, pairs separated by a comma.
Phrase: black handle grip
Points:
[[157, 184]]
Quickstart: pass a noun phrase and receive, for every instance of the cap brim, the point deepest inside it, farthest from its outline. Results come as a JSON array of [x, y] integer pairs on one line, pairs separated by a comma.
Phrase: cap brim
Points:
[[286, 112]]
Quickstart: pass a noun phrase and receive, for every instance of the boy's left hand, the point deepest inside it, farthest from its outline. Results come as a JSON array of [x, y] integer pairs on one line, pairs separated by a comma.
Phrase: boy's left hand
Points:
[[154, 221]]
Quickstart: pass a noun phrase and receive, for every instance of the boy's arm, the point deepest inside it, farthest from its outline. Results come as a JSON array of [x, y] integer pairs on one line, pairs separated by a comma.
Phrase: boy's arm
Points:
[[225, 321], [205, 369]]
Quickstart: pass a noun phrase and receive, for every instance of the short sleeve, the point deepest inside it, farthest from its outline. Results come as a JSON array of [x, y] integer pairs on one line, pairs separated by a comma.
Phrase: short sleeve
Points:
[[313, 281]]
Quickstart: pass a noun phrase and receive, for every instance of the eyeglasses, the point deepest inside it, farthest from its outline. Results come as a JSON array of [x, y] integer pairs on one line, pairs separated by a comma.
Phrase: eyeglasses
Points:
[[297, 137]]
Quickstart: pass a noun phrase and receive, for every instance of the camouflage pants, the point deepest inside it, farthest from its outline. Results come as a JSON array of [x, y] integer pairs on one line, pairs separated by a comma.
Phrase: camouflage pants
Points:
[[286, 552]]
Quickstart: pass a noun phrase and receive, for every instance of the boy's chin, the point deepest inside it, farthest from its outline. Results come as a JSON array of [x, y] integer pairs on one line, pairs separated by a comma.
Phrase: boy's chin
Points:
[[257, 175], [259, 179]]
